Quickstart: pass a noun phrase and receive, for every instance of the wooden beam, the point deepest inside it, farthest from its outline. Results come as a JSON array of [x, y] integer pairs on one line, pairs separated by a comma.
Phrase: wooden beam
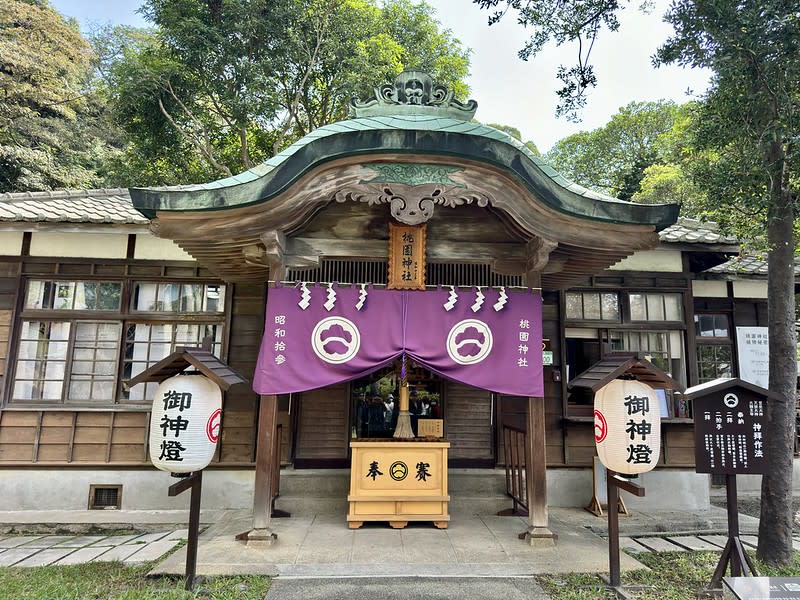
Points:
[[538, 254]]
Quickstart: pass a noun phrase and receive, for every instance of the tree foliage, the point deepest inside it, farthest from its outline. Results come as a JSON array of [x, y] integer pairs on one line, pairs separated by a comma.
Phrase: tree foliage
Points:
[[53, 127], [577, 22], [746, 136], [517, 135], [217, 87], [750, 120], [613, 158]]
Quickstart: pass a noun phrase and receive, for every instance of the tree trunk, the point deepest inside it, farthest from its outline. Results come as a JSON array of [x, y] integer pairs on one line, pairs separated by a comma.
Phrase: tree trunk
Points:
[[775, 526]]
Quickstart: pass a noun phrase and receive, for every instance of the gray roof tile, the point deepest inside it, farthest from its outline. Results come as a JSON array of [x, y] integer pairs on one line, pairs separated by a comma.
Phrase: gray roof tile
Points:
[[694, 231], [111, 206], [749, 265]]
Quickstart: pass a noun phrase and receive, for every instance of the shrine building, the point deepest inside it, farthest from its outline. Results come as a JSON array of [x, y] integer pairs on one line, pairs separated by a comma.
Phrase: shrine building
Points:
[[409, 207]]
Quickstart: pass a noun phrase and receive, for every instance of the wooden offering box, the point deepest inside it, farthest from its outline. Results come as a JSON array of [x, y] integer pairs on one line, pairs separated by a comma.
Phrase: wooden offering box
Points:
[[398, 481]]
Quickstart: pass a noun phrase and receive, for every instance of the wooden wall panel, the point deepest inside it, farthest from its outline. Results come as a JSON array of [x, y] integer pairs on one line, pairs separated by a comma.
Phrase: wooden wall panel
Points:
[[239, 414], [97, 438], [580, 444], [323, 428], [468, 422], [91, 453], [678, 445]]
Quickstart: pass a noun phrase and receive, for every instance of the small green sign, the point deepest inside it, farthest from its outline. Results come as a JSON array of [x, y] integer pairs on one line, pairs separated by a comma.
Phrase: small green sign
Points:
[[547, 358]]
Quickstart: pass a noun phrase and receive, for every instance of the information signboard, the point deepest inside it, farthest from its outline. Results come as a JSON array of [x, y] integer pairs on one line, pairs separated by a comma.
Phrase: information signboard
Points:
[[729, 426], [753, 351]]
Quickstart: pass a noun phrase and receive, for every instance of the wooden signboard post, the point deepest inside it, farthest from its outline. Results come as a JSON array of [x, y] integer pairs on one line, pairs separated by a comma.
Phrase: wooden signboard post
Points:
[[729, 425]]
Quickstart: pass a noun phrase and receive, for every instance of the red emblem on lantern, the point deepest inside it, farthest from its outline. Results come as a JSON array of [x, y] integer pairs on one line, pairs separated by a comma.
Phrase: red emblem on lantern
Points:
[[600, 427], [212, 427]]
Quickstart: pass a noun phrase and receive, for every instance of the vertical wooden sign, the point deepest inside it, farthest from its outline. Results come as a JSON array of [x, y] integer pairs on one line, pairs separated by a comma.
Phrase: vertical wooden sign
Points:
[[407, 257]]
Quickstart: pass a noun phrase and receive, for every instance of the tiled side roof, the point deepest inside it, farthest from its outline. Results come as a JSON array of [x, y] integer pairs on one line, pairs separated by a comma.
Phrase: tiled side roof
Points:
[[694, 231], [71, 206], [749, 265]]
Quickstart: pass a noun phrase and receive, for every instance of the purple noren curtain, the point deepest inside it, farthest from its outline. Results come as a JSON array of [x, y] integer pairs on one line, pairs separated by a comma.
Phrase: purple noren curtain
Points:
[[316, 336]]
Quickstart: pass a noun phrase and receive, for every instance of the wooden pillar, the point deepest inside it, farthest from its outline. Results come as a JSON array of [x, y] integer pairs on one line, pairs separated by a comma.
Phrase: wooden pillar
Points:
[[266, 461], [538, 531]]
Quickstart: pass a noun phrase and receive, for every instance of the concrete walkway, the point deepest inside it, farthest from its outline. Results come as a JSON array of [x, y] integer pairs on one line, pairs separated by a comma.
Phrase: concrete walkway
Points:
[[321, 545], [318, 556]]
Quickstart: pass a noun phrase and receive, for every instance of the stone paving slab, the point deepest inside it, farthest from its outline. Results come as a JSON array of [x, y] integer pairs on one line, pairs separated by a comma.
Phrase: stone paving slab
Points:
[[630, 545], [14, 555], [180, 534], [79, 541], [48, 541], [693, 542], [18, 540], [376, 549], [658, 544], [470, 588], [719, 540], [116, 540], [82, 555], [151, 551], [45, 557], [149, 537], [117, 553]]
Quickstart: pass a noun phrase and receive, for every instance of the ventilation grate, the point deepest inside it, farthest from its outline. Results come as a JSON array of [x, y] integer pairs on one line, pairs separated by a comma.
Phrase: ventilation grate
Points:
[[103, 497], [349, 271]]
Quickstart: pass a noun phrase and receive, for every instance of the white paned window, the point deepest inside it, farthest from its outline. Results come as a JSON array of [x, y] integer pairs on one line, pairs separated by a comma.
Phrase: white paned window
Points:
[[74, 335], [592, 306], [655, 307], [148, 343]]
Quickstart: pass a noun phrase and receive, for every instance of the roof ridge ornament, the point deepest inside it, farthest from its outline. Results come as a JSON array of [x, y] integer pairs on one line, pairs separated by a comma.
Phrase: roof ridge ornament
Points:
[[413, 93]]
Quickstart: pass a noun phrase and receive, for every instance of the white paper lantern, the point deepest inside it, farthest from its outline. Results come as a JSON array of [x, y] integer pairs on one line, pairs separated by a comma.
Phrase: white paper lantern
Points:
[[184, 424], [627, 426]]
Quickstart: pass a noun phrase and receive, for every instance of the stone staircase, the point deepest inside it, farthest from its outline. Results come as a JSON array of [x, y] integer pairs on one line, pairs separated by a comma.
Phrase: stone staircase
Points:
[[324, 491]]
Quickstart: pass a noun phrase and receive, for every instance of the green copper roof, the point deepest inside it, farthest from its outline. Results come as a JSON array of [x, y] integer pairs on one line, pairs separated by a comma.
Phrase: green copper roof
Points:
[[406, 134]]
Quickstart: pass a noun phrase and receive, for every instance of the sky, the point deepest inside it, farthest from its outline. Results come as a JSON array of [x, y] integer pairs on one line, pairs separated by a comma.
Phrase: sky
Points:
[[510, 91]]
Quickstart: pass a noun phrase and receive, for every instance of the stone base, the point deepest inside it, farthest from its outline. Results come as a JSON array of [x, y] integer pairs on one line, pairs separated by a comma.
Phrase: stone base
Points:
[[258, 537], [539, 537]]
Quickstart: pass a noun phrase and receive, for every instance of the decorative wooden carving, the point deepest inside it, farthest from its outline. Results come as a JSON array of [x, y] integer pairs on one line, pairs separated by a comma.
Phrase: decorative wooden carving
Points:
[[407, 257], [412, 205], [413, 92]]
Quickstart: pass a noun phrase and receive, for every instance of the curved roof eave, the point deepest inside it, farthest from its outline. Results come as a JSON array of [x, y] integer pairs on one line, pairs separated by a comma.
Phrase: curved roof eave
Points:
[[411, 134]]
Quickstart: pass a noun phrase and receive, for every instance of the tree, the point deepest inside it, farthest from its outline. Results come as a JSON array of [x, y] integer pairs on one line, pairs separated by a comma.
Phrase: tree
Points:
[[579, 21], [751, 115], [749, 130], [517, 135], [217, 87], [53, 127], [613, 158]]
